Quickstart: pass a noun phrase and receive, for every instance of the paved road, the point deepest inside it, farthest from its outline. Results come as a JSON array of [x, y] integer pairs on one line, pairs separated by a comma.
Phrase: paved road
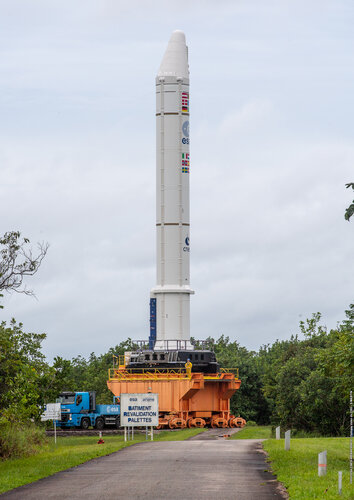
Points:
[[212, 434], [172, 470]]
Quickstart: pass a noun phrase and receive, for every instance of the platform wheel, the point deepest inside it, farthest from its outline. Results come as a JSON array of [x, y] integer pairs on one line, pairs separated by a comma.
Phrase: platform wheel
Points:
[[190, 423], [213, 424], [183, 423], [171, 424], [240, 422], [199, 423]]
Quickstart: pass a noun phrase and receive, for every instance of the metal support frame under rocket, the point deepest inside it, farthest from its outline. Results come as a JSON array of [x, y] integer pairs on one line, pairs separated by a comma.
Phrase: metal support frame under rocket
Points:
[[170, 298]]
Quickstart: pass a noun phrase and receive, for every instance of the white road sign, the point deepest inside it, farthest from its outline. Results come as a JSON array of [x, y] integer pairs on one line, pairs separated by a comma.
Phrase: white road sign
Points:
[[139, 410], [52, 412]]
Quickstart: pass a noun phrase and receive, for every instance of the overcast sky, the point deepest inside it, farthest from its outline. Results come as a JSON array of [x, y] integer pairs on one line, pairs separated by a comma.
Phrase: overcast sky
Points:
[[272, 146]]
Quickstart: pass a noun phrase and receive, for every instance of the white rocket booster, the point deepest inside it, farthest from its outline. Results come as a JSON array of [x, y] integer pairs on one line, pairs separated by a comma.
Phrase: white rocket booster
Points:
[[172, 291]]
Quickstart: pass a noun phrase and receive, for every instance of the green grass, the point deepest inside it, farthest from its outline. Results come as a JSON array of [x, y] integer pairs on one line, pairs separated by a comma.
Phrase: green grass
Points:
[[69, 452], [297, 468], [254, 432], [18, 440]]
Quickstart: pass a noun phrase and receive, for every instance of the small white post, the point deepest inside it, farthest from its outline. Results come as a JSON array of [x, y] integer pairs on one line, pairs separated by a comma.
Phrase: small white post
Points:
[[100, 435], [125, 433], [55, 431], [152, 433], [146, 433], [287, 440], [322, 463], [132, 433], [277, 433], [340, 482]]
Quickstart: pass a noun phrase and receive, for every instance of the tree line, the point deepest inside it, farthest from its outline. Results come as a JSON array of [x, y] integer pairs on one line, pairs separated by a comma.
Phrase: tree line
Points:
[[300, 383]]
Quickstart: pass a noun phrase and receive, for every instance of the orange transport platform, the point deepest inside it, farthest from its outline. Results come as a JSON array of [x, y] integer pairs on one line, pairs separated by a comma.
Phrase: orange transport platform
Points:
[[196, 401]]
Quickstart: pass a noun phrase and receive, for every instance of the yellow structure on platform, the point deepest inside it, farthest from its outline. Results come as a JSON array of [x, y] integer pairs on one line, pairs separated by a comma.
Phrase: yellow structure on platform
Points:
[[192, 400]]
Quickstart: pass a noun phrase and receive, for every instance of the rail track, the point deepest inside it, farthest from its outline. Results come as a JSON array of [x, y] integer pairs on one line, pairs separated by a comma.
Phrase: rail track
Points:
[[93, 432], [88, 432]]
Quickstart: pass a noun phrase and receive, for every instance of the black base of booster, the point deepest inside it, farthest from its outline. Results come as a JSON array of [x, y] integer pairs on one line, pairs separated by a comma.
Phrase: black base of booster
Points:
[[202, 361]]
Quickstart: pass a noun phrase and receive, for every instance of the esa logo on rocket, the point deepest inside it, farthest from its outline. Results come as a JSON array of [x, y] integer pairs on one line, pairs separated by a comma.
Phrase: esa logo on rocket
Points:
[[186, 248], [185, 130]]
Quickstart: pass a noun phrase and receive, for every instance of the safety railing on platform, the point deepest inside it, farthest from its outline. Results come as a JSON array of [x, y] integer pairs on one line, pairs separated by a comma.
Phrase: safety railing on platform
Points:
[[230, 370], [119, 361], [146, 374], [171, 345], [174, 345], [122, 373]]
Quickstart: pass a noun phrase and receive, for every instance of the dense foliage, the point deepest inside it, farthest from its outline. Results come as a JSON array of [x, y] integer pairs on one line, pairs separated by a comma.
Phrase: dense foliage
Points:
[[308, 381], [302, 383], [23, 371]]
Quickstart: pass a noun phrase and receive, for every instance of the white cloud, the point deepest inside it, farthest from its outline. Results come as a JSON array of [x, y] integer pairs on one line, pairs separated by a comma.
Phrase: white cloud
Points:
[[245, 120], [272, 148]]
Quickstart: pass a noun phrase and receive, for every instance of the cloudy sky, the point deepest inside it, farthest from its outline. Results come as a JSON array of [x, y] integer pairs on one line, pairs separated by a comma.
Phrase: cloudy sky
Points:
[[272, 146]]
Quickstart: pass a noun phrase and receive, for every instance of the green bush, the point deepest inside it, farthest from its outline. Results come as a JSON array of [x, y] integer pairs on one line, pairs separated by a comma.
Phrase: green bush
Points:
[[299, 433], [20, 440]]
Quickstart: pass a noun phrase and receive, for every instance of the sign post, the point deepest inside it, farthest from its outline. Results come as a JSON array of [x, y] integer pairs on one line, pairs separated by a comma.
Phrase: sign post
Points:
[[139, 410], [52, 411]]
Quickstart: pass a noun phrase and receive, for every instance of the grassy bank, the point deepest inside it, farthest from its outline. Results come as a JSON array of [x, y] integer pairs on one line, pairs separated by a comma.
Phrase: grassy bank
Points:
[[20, 440], [297, 468], [254, 432], [69, 452]]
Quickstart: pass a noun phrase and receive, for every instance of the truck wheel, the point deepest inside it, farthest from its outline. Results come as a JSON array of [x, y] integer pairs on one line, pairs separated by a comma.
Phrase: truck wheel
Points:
[[99, 424], [118, 423], [85, 423]]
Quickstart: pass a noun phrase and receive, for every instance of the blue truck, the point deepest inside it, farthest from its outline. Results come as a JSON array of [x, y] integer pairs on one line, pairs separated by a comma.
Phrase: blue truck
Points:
[[79, 410]]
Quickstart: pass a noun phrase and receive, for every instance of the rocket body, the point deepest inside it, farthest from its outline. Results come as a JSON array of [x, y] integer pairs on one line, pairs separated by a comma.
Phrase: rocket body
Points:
[[171, 295]]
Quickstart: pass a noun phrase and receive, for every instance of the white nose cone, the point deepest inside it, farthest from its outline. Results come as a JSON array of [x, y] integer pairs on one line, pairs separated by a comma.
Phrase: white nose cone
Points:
[[175, 60]]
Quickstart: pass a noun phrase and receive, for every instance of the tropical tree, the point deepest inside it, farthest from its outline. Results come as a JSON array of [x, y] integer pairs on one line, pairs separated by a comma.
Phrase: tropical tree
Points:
[[22, 366], [17, 260], [350, 210]]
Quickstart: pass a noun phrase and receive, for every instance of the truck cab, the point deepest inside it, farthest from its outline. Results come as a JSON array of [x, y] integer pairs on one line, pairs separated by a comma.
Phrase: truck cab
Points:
[[79, 410]]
